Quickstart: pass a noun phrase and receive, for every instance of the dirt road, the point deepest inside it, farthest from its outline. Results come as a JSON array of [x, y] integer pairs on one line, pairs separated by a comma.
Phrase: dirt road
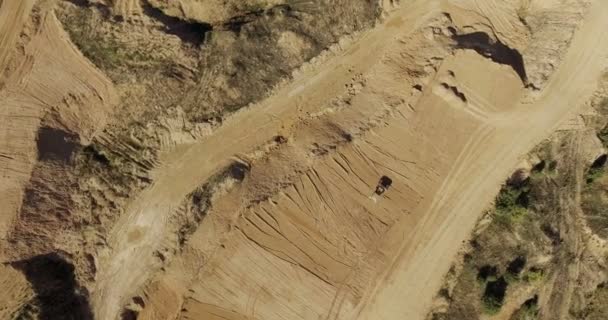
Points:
[[459, 175], [425, 255], [139, 231]]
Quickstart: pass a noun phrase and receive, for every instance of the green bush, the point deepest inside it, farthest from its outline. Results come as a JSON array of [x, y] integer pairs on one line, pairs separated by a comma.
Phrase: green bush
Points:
[[491, 305], [494, 295], [594, 174], [511, 204], [507, 198], [534, 275], [528, 311]]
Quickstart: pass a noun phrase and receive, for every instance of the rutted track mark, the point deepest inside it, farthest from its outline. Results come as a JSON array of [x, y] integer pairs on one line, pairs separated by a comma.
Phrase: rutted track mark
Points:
[[560, 96]]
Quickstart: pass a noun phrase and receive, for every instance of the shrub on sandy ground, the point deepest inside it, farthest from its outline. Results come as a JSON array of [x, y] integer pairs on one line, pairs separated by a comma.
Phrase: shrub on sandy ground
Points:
[[528, 311], [597, 308], [511, 204], [534, 275], [594, 197], [104, 53], [494, 295], [594, 202]]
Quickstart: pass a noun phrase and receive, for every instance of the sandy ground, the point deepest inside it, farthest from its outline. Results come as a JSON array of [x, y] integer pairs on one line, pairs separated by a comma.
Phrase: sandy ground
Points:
[[421, 224], [473, 182], [15, 291], [13, 15], [46, 79], [182, 173], [326, 231], [14, 171], [320, 245]]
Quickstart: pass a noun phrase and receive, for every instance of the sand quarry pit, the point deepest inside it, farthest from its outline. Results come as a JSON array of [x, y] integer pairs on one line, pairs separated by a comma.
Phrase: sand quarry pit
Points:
[[344, 194]]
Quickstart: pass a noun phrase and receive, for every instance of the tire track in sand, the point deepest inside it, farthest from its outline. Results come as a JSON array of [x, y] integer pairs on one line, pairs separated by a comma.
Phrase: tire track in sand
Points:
[[128, 263], [13, 14], [418, 266]]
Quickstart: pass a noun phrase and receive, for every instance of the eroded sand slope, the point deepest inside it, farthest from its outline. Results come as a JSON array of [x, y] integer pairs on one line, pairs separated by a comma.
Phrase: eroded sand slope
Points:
[[358, 255]]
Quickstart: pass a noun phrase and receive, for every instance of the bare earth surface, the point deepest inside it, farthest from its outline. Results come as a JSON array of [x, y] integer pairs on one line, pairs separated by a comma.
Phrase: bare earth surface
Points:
[[182, 173], [421, 234], [300, 233], [47, 78], [477, 176]]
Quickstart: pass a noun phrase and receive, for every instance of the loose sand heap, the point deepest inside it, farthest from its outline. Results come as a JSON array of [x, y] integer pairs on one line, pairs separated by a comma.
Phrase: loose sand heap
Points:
[[125, 196]]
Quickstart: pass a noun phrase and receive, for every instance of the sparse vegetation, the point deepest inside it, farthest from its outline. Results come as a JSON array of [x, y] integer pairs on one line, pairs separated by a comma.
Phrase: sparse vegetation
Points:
[[597, 308], [515, 268], [528, 311], [594, 174], [103, 52], [526, 245], [494, 295], [487, 273], [546, 168], [594, 202], [491, 305], [255, 6], [511, 203], [533, 275], [597, 169], [125, 240], [104, 49], [594, 199], [602, 108]]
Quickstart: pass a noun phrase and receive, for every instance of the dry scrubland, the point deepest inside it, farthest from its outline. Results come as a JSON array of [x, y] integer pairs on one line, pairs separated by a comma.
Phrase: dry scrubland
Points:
[[540, 252], [303, 159]]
